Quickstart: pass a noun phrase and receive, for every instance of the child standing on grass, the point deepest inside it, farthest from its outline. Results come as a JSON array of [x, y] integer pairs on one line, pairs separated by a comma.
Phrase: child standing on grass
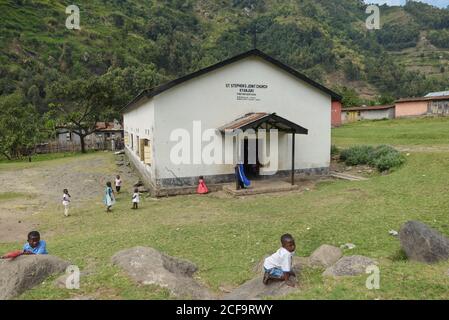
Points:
[[66, 201], [109, 198], [278, 266], [118, 183], [136, 199]]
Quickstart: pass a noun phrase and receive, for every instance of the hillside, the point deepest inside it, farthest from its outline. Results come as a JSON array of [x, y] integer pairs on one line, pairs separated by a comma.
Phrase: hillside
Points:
[[135, 44]]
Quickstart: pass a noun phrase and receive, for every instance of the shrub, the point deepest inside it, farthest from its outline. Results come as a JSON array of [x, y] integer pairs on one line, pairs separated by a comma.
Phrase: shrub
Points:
[[357, 155], [382, 157]]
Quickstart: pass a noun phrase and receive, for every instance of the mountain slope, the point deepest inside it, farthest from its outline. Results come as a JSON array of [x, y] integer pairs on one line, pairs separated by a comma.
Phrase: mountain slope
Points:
[[145, 42]]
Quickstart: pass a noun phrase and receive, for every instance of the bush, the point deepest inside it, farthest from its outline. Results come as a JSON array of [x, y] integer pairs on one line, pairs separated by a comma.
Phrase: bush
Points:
[[357, 155], [382, 157]]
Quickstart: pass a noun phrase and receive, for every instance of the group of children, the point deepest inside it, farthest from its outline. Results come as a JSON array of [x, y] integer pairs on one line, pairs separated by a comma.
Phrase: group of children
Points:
[[277, 267], [108, 199]]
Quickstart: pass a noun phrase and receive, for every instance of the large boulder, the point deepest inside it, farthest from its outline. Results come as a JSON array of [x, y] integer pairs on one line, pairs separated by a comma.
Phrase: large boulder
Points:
[[255, 289], [349, 266], [149, 266], [422, 243], [325, 256], [25, 272]]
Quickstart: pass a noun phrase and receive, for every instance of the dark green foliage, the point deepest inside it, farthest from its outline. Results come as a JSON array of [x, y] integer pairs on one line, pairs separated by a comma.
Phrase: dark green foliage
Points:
[[382, 157], [440, 38]]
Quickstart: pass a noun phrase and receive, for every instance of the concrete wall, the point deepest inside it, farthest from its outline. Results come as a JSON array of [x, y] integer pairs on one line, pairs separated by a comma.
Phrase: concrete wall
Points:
[[352, 116], [412, 108], [139, 122], [439, 107], [336, 114], [209, 100]]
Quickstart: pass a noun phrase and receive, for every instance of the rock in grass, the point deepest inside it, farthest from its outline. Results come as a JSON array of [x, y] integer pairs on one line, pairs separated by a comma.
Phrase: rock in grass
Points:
[[149, 266], [422, 243], [325, 256], [25, 272], [255, 290], [349, 266]]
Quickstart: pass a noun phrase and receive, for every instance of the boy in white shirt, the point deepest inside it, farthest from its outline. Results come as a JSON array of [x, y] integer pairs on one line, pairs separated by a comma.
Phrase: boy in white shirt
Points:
[[278, 266], [136, 199]]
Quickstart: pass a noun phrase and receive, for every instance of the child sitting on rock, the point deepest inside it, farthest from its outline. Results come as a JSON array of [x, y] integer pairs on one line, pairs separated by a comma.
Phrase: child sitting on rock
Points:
[[278, 266]]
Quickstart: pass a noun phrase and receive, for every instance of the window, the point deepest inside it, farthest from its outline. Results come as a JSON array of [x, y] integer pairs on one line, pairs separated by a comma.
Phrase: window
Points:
[[147, 152]]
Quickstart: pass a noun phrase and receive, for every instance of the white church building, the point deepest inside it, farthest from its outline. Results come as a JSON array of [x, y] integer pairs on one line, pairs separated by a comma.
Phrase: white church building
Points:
[[204, 123]]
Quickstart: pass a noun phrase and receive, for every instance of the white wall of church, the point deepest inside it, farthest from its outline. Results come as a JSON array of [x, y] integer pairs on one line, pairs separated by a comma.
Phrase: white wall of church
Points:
[[139, 123], [209, 100]]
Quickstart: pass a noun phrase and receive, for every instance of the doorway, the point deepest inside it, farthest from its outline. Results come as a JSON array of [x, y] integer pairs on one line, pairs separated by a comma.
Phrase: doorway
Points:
[[251, 162]]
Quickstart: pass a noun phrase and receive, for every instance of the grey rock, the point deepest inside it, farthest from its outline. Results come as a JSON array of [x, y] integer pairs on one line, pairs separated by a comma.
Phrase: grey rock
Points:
[[422, 243], [325, 256], [349, 266], [255, 289], [149, 266], [25, 272]]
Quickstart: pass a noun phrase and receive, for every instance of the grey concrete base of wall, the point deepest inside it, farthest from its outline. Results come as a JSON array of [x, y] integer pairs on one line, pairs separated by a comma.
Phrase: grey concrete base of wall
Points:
[[188, 185]]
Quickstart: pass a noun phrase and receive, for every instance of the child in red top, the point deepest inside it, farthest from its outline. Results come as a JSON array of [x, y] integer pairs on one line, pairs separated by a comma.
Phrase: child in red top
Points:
[[202, 188]]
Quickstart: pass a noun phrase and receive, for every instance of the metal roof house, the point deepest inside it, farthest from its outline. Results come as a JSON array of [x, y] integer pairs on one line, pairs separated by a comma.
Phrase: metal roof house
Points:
[[250, 109]]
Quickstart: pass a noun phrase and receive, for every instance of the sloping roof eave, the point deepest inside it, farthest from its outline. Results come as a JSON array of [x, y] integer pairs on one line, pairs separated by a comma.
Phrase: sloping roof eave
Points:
[[149, 93]]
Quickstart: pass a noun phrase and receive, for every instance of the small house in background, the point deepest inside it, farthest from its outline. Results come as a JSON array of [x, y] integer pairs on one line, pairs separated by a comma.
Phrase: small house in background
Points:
[[435, 103], [367, 113], [107, 136], [336, 113]]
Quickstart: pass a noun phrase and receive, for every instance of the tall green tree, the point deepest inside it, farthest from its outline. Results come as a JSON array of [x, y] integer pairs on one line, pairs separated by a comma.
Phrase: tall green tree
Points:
[[78, 105], [20, 127]]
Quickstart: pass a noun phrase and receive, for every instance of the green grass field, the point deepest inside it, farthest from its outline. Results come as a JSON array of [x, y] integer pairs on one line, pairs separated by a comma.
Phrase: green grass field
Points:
[[227, 237], [414, 132]]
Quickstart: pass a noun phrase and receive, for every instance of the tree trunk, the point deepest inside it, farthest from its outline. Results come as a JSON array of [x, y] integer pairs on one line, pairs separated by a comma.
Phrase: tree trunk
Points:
[[83, 146], [7, 155]]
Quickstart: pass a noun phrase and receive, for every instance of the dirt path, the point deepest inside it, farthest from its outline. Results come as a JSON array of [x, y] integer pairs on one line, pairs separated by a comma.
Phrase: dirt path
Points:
[[39, 187]]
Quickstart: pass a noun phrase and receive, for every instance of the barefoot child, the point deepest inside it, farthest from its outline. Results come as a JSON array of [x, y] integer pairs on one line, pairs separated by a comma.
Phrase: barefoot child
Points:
[[109, 198], [66, 201], [136, 198], [118, 183], [278, 266]]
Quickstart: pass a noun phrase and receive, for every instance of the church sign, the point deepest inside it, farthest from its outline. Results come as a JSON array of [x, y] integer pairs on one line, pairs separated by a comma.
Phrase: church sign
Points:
[[246, 91]]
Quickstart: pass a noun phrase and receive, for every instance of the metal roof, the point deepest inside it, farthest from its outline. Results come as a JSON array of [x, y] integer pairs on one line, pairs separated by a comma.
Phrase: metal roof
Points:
[[263, 120], [368, 108], [437, 94], [149, 93]]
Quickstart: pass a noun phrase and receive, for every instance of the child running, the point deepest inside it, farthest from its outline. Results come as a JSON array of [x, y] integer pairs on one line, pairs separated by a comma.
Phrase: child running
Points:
[[66, 201], [109, 198], [136, 199], [118, 183], [278, 266]]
